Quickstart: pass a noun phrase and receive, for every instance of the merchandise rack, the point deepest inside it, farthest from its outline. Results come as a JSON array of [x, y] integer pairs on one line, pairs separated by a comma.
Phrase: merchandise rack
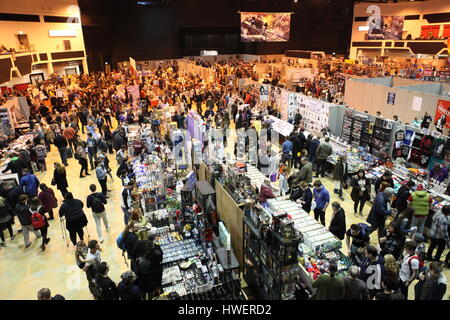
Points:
[[271, 273]]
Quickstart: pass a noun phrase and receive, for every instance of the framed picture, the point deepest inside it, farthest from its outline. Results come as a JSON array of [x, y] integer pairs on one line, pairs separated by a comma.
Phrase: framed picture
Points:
[[36, 78], [69, 71]]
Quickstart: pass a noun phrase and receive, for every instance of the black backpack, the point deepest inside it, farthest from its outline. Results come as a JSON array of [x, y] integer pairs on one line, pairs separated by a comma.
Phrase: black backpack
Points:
[[97, 204]]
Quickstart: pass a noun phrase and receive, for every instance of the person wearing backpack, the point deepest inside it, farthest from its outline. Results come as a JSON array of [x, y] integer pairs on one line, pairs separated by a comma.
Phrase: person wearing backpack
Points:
[[41, 154], [360, 236], [48, 199], [82, 157], [106, 288], [96, 201], [126, 241], [409, 268], [23, 212], [39, 221]]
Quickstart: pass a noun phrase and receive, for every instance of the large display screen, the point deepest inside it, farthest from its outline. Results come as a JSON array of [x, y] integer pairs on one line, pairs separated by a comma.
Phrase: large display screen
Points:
[[265, 27], [390, 28]]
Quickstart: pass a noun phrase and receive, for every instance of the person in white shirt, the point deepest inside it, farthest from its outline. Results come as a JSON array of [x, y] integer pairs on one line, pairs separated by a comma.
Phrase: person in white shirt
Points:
[[409, 269], [92, 260]]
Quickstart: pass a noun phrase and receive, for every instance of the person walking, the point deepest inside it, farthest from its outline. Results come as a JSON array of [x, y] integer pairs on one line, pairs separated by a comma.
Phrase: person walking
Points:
[[72, 210], [23, 212], [102, 176], [329, 286], [324, 150], [92, 261], [439, 234], [96, 201], [61, 143], [322, 199], [409, 268], [6, 220], [360, 191], [37, 210], [421, 201], [48, 200], [340, 175], [380, 210], [69, 134], [60, 179], [30, 183], [337, 223], [82, 157], [41, 154]]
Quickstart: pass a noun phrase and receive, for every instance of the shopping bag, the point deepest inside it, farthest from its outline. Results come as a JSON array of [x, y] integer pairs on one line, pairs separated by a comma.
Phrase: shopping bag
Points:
[[69, 153]]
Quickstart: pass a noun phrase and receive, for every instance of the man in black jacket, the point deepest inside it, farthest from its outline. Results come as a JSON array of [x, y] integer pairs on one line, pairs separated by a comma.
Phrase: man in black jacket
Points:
[[106, 288], [23, 212], [401, 201], [61, 143]]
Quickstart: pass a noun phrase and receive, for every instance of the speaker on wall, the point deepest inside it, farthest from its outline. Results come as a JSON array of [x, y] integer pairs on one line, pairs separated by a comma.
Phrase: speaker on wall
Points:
[[67, 45]]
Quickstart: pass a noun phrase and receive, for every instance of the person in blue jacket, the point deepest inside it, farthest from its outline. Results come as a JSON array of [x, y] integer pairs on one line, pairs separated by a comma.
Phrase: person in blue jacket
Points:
[[29, 183], [380, 210]]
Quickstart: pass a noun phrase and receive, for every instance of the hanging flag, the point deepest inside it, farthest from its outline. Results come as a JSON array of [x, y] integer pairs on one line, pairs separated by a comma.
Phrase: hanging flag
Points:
[[133, 65]]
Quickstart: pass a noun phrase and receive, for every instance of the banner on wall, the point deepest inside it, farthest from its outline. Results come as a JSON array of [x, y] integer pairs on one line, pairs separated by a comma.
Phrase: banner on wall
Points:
[[264, 92], [388, 27], [391, 98], [443, 109], [265, 26]]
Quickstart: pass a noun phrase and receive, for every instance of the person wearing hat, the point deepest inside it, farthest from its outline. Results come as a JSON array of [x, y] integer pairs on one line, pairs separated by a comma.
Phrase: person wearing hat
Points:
[[329, 287], [380, 210], [420, 200], [127, 288]]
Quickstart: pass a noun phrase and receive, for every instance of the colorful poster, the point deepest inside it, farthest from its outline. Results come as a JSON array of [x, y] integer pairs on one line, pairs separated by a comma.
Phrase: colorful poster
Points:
[[264, 92], [443, 111], [265, 27], [389, 27]]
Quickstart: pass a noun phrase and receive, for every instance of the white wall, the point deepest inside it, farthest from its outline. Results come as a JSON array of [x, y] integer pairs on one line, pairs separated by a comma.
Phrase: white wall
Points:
[[38, 31]]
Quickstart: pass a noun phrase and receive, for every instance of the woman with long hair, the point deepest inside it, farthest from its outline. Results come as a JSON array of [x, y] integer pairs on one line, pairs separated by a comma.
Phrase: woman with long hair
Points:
[[60, 178], [391, 269], [360, 192]]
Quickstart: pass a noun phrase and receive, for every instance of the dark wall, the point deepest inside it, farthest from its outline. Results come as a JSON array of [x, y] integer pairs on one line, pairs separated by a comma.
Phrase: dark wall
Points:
[[186, 27]]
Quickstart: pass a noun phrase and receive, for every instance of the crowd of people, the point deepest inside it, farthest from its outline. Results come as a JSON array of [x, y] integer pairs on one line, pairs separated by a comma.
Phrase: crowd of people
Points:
[[75, 115]]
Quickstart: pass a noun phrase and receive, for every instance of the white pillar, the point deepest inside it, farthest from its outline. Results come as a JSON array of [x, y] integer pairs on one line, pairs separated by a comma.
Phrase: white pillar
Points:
[[85, 66], [50, 68]]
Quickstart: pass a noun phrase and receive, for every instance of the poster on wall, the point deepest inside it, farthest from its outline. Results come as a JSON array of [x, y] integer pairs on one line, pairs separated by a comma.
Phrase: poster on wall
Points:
[[387, 27], [265, 26], [417, 104], [264, 92], [391, 98], [443, 110], [284, 104]]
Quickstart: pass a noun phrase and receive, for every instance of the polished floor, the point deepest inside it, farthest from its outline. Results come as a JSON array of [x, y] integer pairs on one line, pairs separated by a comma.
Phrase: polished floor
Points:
[[25, 271]]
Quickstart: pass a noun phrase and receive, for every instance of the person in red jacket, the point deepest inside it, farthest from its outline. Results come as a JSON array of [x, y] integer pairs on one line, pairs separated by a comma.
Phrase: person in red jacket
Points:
[[48, 199], [265, 192]]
